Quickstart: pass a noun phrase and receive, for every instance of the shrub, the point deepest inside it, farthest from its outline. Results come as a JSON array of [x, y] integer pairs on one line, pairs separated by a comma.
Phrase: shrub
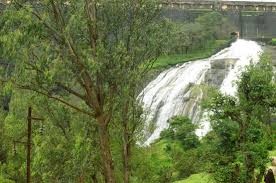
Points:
[[273, 41]]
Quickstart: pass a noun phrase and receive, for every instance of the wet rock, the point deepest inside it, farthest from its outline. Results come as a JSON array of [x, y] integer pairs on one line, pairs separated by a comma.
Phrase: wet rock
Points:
[[223, 63], [215, 77], [186, 99], [187, 89], [218, 71]]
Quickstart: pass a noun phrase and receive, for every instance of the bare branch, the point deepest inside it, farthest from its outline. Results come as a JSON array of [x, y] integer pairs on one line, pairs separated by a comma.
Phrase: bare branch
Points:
[[71, 91], [56, 98]]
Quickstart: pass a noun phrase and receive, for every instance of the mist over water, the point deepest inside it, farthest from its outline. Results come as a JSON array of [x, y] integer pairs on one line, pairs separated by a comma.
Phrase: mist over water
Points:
[[179, 90]]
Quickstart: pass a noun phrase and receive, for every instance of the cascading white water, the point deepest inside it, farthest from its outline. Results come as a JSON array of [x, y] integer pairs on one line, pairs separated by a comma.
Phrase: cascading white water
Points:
[[247, 52], [174, 91]]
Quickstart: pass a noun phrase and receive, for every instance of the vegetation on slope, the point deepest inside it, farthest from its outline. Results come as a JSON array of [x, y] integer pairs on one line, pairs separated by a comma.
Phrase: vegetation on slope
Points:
[[198, 178], [208, 178], [173, 59], [196, 40], [273, 42]]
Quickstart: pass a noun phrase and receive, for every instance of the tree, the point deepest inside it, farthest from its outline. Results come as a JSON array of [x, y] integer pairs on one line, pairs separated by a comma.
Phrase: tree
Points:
[[182, 130], [83, 54], [241, 126], [187, 37], [215, 25], [182, 147], [65, 147]]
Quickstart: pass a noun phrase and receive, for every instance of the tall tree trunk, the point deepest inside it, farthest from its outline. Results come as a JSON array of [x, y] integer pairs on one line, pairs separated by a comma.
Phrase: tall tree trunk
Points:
[[94, 178], [81, 178], [260, 175], [126, 142], [250, 167], [126, 153], [106, 152]]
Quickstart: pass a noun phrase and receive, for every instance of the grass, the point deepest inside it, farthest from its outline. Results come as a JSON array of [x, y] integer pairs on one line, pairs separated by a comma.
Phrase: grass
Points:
[[158, 149], [197, 178], [272, 153], [170, 60], [273, 41]]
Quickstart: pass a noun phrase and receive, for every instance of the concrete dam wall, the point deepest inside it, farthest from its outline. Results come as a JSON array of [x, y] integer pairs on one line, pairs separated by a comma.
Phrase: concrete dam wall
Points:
[[253, 25]]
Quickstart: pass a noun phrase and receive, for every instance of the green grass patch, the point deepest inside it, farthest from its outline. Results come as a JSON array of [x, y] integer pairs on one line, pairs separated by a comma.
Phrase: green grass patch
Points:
[[158, 149], [170, 60], [273, 41], [272, 153], [198, 178]]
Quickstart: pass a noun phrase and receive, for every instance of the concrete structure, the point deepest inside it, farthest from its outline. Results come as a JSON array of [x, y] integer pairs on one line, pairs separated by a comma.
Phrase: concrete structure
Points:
[[254, 20], [222, 5]]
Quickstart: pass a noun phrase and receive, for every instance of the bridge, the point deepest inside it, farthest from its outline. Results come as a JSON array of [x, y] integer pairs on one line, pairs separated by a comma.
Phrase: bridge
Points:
[[222, 5]]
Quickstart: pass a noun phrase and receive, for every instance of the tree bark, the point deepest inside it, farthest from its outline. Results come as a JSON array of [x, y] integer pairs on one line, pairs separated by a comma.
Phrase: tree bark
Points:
[[81, 179], [126, 142], [29, 145], [260, 175], [126, 153], [250, 167], [106, 156], [94, 178]]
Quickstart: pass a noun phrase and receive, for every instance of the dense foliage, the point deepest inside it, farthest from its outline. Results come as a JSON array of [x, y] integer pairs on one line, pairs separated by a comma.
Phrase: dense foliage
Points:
[[242, 136], [190, 36], [80, 66]]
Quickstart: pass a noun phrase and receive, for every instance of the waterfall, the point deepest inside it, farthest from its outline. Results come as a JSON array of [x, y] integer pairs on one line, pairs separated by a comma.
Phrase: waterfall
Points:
[[179, 90]]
